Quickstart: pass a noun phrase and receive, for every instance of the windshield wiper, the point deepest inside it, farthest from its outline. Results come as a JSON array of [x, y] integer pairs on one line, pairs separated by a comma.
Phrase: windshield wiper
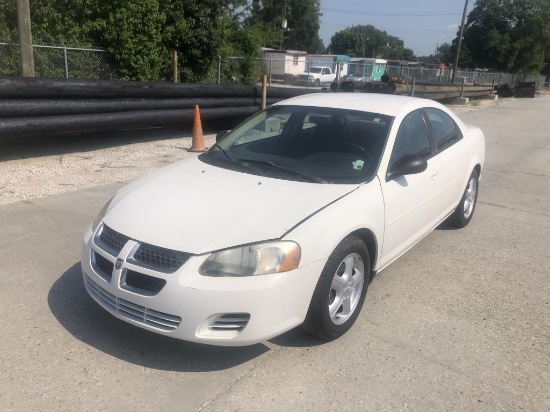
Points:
[[311, 178], [225, 154], [240, 162]]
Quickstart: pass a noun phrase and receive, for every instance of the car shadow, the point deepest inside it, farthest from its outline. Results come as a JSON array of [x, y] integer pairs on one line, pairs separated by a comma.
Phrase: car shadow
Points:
[[81, 316], [445, 226], [297, 338]]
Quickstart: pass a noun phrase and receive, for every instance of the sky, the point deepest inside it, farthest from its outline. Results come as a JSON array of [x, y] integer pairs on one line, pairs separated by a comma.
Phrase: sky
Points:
[[422, 25]]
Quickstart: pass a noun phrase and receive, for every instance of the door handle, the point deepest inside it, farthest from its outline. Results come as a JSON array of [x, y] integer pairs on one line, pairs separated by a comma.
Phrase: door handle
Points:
[[434, 173]]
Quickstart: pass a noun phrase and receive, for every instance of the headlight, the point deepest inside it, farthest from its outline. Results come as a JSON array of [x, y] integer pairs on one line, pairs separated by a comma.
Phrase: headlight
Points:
[[101, 214], [259, 259]]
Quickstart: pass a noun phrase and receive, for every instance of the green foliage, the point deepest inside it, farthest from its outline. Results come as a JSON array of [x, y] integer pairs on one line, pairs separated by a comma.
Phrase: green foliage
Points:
[[196, 29], [8, 22], [245, 43], [131, 31], [408, 54], [348, 42], [444, 53], [368, 41], [303, 23], [140, 35], [507, 35]]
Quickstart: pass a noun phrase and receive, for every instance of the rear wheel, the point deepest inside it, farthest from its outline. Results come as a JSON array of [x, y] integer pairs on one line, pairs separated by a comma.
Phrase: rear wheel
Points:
[[465, 209], [340, 291]]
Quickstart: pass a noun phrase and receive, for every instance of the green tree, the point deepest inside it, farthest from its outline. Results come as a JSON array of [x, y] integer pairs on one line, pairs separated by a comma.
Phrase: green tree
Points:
[[348, 42], [444, 54], [408, 54], [303, 23], [140, 35], [132, 32], [507, 35], [8, 22], [367, 41]]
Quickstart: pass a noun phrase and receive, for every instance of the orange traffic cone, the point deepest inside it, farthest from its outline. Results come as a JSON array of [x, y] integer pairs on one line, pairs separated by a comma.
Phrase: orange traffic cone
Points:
[[197, 144]]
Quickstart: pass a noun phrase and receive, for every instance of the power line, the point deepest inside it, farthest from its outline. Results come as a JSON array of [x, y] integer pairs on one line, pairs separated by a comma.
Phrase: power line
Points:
[[393, 14]]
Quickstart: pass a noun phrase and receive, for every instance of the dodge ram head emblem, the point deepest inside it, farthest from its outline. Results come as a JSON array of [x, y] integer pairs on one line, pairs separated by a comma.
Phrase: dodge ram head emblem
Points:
[[118, 263]]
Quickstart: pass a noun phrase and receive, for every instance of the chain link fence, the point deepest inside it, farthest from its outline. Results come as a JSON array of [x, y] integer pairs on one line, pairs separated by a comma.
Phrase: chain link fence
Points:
[[471, 77], [287, 72], [58, 62], [85, 63]]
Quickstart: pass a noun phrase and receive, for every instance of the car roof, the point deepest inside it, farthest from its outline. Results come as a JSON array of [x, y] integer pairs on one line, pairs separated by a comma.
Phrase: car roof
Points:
[[389, 105]]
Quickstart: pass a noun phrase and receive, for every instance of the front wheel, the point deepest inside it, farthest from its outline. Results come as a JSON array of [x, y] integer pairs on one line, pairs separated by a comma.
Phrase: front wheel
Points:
[[318, 82], [340, 291], [465, 209]]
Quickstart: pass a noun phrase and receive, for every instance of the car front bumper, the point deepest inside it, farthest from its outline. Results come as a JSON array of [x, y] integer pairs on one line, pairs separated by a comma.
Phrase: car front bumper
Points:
[[228, 311]]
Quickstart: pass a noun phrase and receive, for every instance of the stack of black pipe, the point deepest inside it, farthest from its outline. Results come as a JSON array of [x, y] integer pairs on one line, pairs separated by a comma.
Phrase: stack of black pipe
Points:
[[39, 106]]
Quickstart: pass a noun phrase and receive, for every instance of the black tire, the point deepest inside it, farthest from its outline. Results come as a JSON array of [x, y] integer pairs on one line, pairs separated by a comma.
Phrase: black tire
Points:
[[318, 321], [465, 209], [318, 82]]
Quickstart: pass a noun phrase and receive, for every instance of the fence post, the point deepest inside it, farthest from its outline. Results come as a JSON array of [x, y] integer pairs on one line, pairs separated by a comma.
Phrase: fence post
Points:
[[271, 69], [66, 62], [175, 66], [462, 88], [412, 88], [219, 69], [264, 91]]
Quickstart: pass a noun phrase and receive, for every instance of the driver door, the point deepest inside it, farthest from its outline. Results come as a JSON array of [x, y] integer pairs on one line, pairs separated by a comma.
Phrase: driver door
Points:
[[412, 202]]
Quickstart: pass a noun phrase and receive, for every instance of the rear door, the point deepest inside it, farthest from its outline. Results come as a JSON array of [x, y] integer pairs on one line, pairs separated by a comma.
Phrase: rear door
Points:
[[452, 149]]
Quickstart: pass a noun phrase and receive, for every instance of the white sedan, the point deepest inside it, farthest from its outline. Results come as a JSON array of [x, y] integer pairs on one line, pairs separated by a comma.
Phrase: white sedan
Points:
[[285, 220]]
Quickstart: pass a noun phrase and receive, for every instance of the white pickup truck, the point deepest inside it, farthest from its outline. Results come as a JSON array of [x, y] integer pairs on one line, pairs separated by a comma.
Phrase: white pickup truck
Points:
[[316, 75]]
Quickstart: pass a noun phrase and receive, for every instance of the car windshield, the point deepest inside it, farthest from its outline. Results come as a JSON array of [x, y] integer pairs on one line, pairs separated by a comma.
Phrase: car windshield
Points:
[[313, 144], [315, 70]]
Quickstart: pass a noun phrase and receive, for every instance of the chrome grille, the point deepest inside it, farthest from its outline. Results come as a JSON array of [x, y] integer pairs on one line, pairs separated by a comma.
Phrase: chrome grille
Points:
[[166, 259], [149, 256], [129, 310], [102, 266], [230, 322], [143, 284], [113, 239]]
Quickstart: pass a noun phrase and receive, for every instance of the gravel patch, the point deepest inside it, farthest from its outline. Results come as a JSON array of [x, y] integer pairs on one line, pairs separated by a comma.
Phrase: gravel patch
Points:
[[30, 173]]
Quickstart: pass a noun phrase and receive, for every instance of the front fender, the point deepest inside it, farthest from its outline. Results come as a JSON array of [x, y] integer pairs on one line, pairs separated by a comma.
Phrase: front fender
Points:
[[319, 235]]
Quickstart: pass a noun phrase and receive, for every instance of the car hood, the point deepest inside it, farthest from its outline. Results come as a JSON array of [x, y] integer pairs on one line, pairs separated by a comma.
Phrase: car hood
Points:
[[197, 208]]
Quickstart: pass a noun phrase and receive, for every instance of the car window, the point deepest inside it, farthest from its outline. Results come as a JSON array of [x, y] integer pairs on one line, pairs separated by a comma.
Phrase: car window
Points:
[[264, 128], [412, 138], [335, 145], [444, 130]]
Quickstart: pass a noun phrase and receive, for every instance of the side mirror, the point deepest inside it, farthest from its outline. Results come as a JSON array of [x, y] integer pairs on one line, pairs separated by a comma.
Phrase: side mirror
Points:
[[407, 165], [221, 135]]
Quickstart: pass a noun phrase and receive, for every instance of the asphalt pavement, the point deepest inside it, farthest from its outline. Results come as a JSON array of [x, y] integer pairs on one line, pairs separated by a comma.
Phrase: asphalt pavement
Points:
[[461, 322]]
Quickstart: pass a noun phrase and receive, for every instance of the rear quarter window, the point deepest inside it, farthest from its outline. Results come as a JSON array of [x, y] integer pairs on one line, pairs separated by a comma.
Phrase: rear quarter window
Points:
[[445, 131]]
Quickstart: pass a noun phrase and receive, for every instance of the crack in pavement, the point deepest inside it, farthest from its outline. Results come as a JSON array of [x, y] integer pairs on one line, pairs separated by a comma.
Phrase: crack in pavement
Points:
[[240, 378], [515, 210], [517, 171]]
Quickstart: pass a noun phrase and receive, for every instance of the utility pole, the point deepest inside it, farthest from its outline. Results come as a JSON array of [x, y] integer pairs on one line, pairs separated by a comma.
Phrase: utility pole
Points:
[[457, 54], [25, 38]]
